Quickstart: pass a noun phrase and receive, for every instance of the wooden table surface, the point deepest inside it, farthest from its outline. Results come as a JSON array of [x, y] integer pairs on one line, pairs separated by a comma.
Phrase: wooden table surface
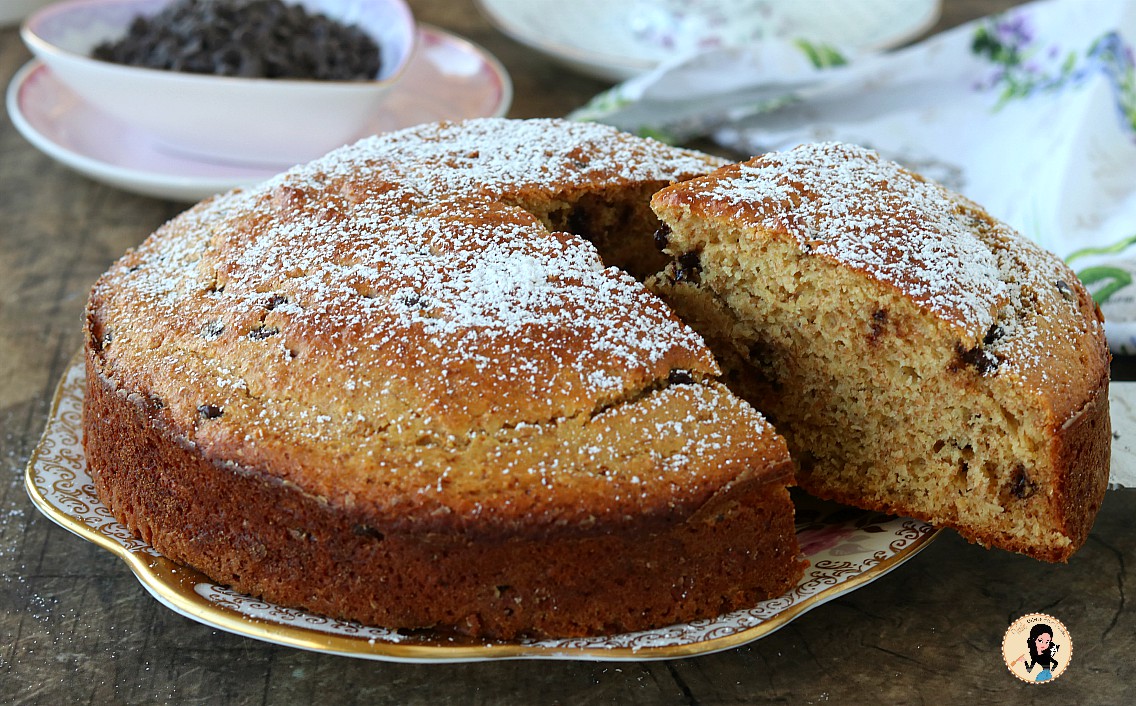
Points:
[[77, 627]]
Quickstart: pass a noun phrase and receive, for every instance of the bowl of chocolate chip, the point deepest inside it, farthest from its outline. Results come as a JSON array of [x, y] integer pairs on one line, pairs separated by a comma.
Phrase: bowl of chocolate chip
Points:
[[265, 82]]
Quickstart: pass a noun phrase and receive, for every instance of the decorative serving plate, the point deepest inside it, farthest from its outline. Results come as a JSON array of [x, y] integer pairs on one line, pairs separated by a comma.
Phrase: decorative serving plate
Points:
[[846, 549]]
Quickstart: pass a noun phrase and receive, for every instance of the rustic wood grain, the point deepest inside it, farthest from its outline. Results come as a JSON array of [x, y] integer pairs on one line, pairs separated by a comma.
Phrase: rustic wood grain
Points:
[[77, 627]]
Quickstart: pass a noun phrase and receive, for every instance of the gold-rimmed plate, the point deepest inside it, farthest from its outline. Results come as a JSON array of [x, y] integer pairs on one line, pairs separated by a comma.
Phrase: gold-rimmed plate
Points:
[[846, 549]]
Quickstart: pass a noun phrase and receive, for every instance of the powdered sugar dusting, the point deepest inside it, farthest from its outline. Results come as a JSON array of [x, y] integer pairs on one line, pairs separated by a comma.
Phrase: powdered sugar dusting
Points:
[[400, 300], [846, 203], [1009, 309]]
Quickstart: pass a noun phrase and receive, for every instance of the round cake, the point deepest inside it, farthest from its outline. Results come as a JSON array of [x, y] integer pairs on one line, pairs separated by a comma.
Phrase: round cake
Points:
[[920, 357], [418, 383], [400, 385]]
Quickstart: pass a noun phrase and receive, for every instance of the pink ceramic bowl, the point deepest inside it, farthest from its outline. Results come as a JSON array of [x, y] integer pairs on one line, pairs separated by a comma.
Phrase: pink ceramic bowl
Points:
[[242, 120]]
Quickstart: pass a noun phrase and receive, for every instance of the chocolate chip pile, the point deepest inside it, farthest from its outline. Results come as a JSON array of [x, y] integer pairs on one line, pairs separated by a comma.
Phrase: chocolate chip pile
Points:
[[249, 38]]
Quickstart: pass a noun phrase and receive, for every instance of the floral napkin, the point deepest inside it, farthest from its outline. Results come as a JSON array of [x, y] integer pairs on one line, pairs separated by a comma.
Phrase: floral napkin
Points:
[[1031, 113]]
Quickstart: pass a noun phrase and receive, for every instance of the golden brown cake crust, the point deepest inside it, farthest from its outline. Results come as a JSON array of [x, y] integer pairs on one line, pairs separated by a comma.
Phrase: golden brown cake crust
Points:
[[877, 265], [397, 338], [262, 537]]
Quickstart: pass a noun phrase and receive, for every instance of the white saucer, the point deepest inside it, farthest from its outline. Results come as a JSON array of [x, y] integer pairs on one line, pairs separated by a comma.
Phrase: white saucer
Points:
[[598, 37], [448, 78]]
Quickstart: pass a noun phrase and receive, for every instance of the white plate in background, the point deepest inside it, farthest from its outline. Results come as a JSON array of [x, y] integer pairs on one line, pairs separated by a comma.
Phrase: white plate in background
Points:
[[599, 37]]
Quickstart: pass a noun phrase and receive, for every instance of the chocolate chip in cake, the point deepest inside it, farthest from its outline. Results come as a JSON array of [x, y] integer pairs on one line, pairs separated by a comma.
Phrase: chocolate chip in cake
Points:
[[994, 333], [212, 330], [275, 300], [662, 236], [680, 377], [690, 261], [153, 403], [1065, 289], [689, 267], [262, 332], [978, 358], [210, 411], [878, 324], [1021, 487], [413, 300]]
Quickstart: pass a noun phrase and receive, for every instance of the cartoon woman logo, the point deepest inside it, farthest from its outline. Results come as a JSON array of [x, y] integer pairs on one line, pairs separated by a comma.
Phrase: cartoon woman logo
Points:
[[1042, 649], [1043, 637]]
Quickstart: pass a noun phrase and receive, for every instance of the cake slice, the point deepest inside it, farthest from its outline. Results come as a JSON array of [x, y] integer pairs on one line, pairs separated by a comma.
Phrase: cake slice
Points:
[[919, 356]]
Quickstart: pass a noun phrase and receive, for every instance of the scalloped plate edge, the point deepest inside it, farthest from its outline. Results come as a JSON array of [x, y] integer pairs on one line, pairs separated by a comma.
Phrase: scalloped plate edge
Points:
[[175, 586]]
